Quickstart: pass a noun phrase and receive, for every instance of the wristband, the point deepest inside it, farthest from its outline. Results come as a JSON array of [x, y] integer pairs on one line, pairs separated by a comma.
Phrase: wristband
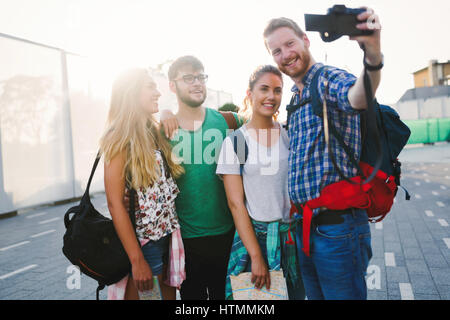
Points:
[[374, 68]]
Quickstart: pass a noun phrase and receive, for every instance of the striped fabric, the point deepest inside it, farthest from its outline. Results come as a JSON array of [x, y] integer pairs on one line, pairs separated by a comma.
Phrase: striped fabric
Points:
[[175, 274], [310, 167]]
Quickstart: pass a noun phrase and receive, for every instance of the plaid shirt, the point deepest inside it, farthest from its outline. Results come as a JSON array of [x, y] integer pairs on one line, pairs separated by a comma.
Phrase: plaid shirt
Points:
[[279, 254], [310, 167]]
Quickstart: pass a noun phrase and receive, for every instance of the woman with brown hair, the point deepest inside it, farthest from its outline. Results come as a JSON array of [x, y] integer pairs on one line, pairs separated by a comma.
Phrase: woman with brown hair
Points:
[[257, 188]]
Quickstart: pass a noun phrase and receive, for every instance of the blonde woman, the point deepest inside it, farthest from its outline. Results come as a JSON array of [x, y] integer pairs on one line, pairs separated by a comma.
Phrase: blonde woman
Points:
[[136, 154]]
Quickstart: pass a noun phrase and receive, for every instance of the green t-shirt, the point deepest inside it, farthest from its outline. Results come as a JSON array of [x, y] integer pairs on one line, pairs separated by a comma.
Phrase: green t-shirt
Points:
[[202, 203]]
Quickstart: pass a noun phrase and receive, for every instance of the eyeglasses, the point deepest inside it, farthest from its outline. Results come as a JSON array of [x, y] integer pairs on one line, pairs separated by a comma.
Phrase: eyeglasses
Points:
[[190, 78]]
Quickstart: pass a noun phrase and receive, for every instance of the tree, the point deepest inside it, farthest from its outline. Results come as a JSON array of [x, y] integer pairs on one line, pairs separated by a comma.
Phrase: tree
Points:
[[229, 107]]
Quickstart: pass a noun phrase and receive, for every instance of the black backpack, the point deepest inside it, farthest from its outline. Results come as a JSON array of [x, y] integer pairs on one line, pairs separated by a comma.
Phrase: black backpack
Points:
[[91, 241]]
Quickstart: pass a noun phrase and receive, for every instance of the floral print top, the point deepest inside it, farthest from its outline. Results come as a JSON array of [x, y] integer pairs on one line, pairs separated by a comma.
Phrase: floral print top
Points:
[[156, 216]]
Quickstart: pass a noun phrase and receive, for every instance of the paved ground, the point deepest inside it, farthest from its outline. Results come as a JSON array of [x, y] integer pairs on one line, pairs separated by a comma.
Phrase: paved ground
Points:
[[411, 247]]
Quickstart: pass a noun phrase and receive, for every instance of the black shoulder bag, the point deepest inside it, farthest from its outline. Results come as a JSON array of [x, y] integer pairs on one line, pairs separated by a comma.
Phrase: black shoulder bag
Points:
[[91, 241]]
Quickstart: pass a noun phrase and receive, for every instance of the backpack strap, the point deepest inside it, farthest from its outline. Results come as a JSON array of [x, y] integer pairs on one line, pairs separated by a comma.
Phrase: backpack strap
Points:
[[240, 147], [291, 107], [369, 119], [373, 124], [316, 102], [318, 110], [230, 119]]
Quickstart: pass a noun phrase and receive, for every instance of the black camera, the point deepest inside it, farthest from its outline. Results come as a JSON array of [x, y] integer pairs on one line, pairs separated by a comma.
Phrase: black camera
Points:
[[338, 21]]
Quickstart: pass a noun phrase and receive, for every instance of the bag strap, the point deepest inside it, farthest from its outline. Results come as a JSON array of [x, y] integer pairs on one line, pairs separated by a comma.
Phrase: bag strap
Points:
[[94, 167], [230, 119], [131, 212], [100, 287], [371, 121], [291, 108], [319, 109], [316, 102], [238, 140], [87, 197]]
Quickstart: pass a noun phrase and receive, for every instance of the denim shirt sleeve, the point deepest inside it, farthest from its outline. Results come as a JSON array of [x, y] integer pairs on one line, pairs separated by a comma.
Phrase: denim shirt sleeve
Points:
[[339, 83]]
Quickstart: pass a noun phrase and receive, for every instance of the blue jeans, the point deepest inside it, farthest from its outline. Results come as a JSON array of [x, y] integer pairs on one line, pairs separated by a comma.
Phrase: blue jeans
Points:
[[156, 253], [294, 293], [339, 256]]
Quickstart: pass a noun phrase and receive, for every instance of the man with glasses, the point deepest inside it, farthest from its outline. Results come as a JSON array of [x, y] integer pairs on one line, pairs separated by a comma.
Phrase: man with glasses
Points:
[[206, 222]]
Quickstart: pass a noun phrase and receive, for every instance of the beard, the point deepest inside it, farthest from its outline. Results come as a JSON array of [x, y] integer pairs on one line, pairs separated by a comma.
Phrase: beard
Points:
[[186, 99], [305, 59]]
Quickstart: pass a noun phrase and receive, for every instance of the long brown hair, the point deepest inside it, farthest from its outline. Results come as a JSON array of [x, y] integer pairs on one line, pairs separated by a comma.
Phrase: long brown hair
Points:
[[246, 110]]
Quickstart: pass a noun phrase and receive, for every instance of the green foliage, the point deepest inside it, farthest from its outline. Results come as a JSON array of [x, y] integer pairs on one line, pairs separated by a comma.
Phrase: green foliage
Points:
[[229, 107]]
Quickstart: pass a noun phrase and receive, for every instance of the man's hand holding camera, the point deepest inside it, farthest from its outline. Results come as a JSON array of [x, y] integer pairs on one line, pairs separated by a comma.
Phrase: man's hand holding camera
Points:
[[371, 43], [360, 24]]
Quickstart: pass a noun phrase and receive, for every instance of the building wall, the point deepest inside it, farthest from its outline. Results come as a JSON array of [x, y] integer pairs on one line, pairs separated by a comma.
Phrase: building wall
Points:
[[438, 107], [436, 74], [447, 74], [421, 79], [428, 119], [408, 110]]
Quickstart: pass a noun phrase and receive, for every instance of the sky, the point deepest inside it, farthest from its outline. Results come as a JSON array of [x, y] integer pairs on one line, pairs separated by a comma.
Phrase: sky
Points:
[[227, 35]]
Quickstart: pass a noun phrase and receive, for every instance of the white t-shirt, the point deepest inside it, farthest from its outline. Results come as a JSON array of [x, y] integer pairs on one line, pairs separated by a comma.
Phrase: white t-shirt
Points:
[[264, 175]]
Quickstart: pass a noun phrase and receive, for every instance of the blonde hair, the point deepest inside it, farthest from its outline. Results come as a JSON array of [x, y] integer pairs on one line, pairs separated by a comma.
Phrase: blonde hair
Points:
[[136, 136], [246, 110]]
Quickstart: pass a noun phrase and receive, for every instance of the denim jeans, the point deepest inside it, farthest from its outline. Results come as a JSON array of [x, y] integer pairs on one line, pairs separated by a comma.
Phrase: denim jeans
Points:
[[294, 293], [156, 253], [339, 256]]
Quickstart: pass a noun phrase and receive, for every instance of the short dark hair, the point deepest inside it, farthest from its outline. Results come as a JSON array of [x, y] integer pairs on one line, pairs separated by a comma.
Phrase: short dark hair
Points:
[[182, 62], [277, 23]]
